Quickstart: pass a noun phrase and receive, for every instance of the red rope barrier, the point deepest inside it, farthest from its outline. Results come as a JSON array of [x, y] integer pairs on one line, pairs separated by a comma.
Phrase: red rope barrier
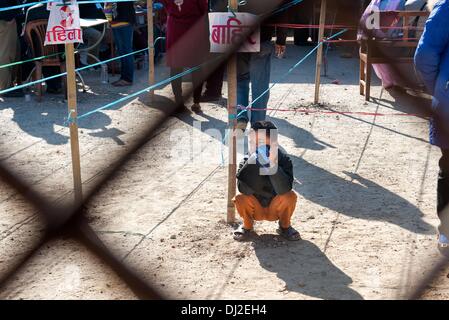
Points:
[[338, 26], [310, 26], [360, 113], [355, 40]]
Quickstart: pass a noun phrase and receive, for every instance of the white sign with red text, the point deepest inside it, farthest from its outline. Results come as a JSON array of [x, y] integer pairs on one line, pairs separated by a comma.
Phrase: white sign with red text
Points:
[[63, 24], [226, 30]]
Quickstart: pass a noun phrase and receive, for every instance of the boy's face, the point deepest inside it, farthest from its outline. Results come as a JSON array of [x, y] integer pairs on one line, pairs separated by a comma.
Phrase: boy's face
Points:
[[262, 138]]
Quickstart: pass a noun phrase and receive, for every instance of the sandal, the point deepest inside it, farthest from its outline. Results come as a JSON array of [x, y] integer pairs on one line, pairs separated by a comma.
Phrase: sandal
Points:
[[241, 234], [290, 233]]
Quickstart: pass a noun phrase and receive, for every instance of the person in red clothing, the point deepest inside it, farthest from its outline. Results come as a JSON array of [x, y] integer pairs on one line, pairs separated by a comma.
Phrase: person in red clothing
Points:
[[187, 44]]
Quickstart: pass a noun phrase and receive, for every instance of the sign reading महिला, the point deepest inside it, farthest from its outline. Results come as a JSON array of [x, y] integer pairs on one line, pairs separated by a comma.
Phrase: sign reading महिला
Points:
[[63, 24], [226, 30]]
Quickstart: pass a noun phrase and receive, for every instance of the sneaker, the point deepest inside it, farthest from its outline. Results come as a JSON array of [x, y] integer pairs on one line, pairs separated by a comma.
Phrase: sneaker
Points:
[[443, 245]]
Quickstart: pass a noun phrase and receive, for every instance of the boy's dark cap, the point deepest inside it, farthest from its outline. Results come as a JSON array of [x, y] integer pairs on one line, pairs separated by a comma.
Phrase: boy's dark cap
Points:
[[263, 125]]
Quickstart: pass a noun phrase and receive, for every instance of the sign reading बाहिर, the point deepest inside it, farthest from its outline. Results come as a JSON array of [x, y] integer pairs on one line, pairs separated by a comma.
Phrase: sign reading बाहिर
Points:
[[63, 24], [225, 30]]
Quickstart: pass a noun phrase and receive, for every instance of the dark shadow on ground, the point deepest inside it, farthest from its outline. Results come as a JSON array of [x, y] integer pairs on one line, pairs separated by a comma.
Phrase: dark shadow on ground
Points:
[[405, 102], [302, 138], [357, 197], [161, 103], [39, 119], [305, 269]]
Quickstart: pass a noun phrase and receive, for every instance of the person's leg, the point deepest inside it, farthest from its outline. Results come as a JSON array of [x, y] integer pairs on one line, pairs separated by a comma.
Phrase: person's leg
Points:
[[282, 208], [123, 37], [443, 193], [82, 52], [247, 207], [214, 84], [90, 37], [53, 85], [197, 81], [177, 85], [243, 79], [96, 37], [260, 70]]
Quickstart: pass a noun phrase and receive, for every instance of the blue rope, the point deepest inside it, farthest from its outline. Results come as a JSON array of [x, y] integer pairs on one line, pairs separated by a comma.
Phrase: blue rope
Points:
[[152, 87], [79, 69], [26, 5], [70, 119], [65, 73], [289, 71], [286, 6]]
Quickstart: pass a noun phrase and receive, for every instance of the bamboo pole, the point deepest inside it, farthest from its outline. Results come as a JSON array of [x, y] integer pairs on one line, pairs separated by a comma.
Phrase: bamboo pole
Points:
[[319, 57], [232, 103], [72, 108], [151, 52]]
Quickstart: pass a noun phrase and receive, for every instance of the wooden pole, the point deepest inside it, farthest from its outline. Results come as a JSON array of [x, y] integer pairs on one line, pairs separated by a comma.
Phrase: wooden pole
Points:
[[151, 52], [71, 102], [319, 57], [232, 103]]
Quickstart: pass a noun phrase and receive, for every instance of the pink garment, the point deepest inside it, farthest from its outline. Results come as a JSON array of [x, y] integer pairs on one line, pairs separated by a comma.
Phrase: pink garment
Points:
[[384, 71], [187, 32]]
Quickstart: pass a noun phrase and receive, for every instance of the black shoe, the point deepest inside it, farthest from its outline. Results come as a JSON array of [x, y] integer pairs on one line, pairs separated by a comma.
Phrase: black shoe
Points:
[[208, 98], [196, 108], [181, 108], [54, 90], [14, 94]]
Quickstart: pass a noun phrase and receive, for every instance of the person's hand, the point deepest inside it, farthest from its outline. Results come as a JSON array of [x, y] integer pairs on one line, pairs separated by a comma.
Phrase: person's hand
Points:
[[263, 156], [274, 154], [270, 164], [280, 51]]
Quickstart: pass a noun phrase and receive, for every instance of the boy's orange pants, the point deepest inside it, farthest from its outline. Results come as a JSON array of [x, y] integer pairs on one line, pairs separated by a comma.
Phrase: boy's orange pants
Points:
[[281, 208]]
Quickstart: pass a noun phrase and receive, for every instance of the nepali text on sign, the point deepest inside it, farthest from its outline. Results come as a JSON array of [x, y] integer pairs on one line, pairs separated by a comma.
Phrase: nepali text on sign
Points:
[[64, 24], [226, 30]]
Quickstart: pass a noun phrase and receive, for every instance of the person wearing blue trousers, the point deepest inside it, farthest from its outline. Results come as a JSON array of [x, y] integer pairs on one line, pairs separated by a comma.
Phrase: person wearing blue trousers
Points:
[[122, 17], [255, 68], [432, 62]]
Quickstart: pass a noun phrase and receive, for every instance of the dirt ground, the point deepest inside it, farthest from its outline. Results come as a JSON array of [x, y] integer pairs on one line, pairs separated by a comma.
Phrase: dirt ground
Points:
[[366, 186]]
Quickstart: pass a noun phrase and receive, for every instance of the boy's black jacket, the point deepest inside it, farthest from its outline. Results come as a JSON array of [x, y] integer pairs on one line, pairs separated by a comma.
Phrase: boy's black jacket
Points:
[[265, 188]]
